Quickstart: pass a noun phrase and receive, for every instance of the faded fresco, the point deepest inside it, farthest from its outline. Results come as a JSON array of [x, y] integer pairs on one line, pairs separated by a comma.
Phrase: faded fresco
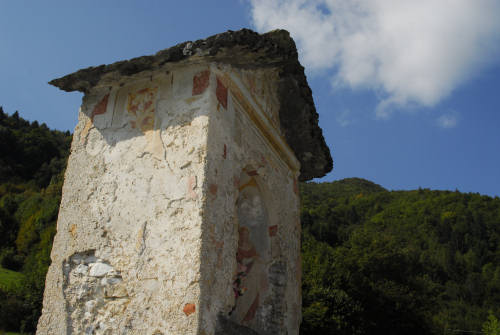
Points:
[[250, 285], [258, 85], [141, 107]]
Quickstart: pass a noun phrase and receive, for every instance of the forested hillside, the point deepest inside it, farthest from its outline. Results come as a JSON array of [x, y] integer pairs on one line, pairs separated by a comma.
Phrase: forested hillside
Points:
[[32, 160], [374, 261], [400, 262]]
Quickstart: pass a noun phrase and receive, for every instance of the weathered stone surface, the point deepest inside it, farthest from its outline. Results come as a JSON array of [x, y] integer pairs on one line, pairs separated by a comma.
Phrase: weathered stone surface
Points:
[[241, 49], [99, 269], [94, 292], [126, 253], [180, 207]]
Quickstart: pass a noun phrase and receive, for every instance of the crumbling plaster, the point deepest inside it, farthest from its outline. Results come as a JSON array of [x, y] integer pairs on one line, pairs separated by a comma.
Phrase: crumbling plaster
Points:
[[133, 196]]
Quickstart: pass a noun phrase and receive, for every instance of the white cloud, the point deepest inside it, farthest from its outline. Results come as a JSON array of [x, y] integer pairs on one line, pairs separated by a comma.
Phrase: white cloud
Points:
[[409, 51], [345, 118], [447, 121]]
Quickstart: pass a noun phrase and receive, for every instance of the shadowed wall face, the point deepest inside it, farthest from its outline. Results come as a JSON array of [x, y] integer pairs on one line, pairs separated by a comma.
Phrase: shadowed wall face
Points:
[[251, 266]]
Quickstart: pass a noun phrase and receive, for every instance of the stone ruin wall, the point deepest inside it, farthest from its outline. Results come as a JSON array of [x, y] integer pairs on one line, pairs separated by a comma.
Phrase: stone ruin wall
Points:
[[162, 175]]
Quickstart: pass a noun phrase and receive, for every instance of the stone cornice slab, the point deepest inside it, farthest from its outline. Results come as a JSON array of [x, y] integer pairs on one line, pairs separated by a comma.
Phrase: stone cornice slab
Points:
[[246, 49]]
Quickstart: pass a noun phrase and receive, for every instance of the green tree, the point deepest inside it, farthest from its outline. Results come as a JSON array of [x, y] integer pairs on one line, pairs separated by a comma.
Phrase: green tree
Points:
[[32, 163], [491, 326]]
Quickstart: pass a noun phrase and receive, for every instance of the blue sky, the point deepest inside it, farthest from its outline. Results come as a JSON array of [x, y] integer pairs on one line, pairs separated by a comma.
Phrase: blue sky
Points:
[[407, 92]]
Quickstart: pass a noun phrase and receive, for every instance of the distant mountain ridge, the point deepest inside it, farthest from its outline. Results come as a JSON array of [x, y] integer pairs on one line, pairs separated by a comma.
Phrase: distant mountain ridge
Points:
[[343, 188]]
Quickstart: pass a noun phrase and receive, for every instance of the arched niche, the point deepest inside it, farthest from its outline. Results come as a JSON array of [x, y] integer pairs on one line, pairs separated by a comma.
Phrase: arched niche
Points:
[[253, 256]]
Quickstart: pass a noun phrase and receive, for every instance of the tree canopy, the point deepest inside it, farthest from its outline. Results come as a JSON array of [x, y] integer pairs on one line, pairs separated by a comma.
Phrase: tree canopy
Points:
[[412, 262], [32, 163]]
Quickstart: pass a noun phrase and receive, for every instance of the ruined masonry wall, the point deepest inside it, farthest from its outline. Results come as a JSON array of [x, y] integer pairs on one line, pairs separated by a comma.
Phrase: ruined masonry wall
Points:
[[180, 205], [126, 256]]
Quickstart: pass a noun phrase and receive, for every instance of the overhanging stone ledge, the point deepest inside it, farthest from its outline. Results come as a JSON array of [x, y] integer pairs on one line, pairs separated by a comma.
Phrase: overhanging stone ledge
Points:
[[247, 49]]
